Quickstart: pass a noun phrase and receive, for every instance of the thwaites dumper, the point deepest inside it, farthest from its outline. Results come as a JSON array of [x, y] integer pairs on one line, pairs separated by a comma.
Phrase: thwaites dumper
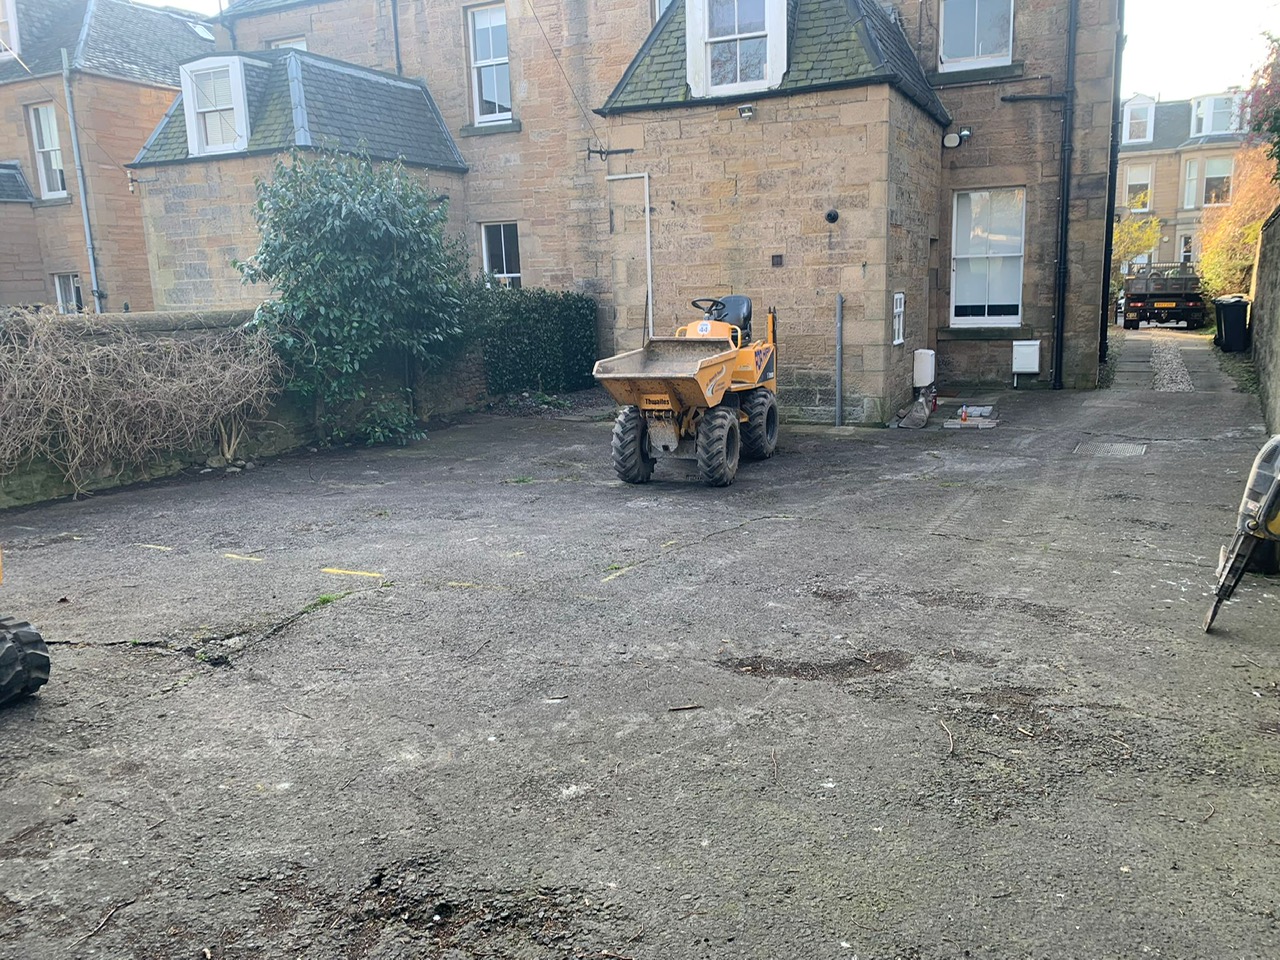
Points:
[[24, 658], [707, 394]]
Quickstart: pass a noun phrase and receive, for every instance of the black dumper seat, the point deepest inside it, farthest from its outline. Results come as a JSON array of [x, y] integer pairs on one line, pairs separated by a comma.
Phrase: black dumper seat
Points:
[[737, 310]]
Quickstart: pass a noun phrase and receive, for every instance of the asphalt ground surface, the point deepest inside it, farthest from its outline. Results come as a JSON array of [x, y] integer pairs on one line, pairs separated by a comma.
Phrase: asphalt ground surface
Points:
[[893, 694]]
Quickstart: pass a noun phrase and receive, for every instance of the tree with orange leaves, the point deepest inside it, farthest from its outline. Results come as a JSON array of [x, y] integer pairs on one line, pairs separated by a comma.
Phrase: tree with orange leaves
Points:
[[1229, 234]]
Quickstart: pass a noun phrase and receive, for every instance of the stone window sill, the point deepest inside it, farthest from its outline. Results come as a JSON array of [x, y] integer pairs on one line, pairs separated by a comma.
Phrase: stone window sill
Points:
[[938, 78], [52, 202], [485, 129]]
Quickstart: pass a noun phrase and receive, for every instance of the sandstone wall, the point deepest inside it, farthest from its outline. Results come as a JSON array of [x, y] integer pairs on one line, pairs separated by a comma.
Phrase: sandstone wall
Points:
[[1265, 317]]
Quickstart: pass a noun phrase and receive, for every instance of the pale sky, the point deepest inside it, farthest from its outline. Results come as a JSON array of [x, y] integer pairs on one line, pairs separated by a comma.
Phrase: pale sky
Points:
[[1177, 49]]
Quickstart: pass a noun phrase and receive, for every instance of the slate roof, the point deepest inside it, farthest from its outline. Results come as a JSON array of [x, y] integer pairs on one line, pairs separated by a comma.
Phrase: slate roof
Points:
[[831, 44], [333, 105], [112, 37], [13, 185], [1172, 125]]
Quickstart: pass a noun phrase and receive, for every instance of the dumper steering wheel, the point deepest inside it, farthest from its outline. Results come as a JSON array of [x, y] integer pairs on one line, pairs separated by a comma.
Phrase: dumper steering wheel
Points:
[[710, 306]]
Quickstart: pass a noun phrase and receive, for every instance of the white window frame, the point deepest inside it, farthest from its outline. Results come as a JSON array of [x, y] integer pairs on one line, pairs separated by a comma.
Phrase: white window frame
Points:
[[195, 141], [698, 50], [1012, 320], [1202, 112], [477, 65], [1191, 185], [1129, 183], [288, 43], [10, 10], [76, 304], [975, 62], [660, 7], [505, 277], [1186, 248], [899, 318], [48, 191], [1204, 190], [1130, 109]]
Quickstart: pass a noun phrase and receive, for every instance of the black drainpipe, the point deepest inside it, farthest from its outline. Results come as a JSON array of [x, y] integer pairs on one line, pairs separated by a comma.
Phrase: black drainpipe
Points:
[[395, 32], [1064, 202], [1113, 168]]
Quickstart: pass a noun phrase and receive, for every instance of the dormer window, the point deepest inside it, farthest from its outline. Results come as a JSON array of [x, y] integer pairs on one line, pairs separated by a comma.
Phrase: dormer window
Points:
[[1138, 122], [1216, 115], [9, 45], [975, 34], [735, 46], [214, 104]]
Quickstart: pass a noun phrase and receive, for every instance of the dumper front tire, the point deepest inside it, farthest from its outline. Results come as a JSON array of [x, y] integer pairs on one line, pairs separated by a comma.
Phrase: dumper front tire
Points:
[[24, 660], [760, 432], [718, 447], [631, 459]]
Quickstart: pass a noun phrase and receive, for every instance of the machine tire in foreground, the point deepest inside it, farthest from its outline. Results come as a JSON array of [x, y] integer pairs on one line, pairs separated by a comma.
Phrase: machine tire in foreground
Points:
[[631, 459], [718, 446], [760, 432], [24, 660]]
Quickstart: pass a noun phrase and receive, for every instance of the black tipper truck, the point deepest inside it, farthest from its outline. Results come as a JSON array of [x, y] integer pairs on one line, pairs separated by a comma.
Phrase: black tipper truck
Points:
[[1163, 293]]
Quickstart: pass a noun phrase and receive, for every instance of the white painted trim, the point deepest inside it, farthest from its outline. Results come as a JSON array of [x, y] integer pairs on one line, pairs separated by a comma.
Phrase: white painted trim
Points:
[[476, 66], [1150, 107], [973, 63], [698, 51], [1013, 321], [15, 41], [238, 104], [1129, 182], [47, 192]]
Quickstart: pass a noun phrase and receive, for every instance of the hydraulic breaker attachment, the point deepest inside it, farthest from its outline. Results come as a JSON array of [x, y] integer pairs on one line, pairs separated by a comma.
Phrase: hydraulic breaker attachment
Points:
[[1257, 526]]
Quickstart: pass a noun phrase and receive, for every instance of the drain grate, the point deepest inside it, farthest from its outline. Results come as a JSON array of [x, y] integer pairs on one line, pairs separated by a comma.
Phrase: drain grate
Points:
[[1102, 448]]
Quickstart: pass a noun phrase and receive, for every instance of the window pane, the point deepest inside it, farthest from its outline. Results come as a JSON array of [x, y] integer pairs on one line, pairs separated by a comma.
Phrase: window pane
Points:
[[723, 18], [993, 27], [46, 128], [493, 248], [970, 294], [498, 34], [750, 16], [1138, 123], [1193, 176], [511, 248], [724, 63], [51, 168], [968, 241], [1005, 234], [1004, 286], [958, 22], [1221, 114], [751, 58], [495, 90]]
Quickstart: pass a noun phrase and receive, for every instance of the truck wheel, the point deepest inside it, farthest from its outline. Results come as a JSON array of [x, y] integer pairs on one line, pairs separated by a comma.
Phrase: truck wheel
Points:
[[718, 446], [760, 432], [24, 660], [630, 446]]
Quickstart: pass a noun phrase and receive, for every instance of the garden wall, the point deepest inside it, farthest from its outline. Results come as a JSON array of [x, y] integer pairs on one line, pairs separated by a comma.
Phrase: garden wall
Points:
[[1265, 319]]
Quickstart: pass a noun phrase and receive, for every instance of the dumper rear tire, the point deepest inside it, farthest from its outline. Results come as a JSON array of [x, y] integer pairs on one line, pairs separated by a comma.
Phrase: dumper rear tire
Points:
[[718, 446], [631, 458], [24, 660], [760, 432]]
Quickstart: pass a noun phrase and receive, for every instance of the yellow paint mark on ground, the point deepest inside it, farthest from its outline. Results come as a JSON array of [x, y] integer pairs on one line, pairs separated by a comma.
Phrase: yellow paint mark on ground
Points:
[[240, 556], [351, 573], [515, 553], [617, 573], [463, 584], [670, 543], [154, 546]]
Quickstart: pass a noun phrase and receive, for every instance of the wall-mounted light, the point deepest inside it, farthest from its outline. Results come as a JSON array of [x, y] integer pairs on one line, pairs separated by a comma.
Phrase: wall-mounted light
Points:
[[747, 111], [953, 140]]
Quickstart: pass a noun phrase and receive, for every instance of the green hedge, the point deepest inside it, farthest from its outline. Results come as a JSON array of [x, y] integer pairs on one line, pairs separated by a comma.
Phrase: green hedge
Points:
[[536, 339]]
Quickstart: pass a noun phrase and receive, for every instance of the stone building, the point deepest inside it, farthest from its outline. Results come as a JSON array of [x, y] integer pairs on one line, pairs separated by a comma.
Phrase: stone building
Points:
[[121, 74], [904, 159], [1176, 158]]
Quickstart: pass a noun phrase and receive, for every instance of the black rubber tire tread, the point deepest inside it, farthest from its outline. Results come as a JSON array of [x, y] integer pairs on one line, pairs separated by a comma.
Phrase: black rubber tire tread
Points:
[[24, 660], [719, 444], [760, 432], [631, 460]]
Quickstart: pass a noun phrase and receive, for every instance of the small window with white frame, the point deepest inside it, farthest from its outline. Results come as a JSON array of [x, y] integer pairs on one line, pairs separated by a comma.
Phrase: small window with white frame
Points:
[[490, 64], [1217, 181], [1138, 121], [899, 318], [1138, 188], [1211, 116], [502, 252], [9, 41], [1185, 249], [988, 228], [289, 43], [66, 287], [213, 103], [50, 171], [975, 34], [1191, 187], [735, 46]]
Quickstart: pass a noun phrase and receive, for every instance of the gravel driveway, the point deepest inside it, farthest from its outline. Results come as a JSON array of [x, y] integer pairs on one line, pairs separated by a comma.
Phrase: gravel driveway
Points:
[[893, 694]]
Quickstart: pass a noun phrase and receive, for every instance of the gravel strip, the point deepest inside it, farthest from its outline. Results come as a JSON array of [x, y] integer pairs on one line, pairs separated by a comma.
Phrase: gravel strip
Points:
[[1171, 374]]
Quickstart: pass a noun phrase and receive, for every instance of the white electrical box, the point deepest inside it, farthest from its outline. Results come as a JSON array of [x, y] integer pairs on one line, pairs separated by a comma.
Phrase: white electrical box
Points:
[[925, 369], [1026, 356]]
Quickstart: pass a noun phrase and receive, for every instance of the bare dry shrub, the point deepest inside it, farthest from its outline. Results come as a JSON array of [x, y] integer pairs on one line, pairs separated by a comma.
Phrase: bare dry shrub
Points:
[[84, 394]]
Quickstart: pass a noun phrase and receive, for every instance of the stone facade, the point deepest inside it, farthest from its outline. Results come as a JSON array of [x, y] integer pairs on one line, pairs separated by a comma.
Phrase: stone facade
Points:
[[1265, 319], [40, 240], [728, 195]]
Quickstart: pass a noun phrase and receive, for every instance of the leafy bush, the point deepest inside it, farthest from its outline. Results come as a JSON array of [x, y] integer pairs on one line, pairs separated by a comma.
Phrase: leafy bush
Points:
[[1264, 103], [535, 339], [366, 277]]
